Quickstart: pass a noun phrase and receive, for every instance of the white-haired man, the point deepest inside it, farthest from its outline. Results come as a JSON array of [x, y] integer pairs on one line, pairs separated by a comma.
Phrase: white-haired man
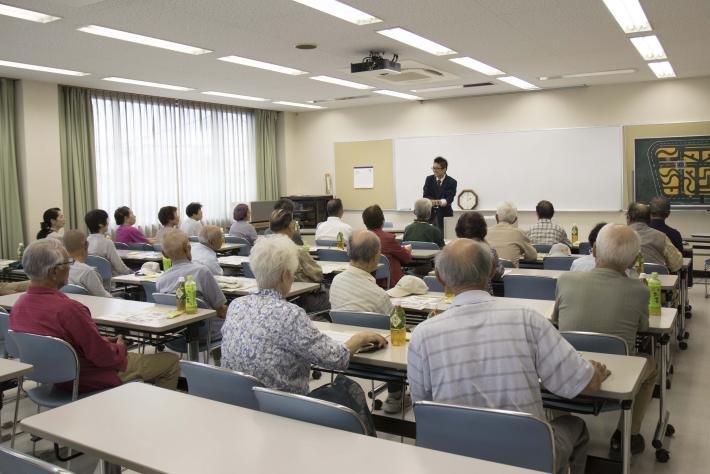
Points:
[[44, 310], [420, 230], [484, 352], [210, 239], [507, 239], [605, 300]]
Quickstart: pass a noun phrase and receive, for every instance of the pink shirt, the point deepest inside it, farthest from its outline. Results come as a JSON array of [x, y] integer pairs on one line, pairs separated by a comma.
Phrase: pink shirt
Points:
[[130, 235]]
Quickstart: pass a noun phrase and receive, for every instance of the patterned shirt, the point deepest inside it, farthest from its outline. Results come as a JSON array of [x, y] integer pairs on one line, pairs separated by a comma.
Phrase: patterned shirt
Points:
[[545, 232], [275, 341], [484, 352]]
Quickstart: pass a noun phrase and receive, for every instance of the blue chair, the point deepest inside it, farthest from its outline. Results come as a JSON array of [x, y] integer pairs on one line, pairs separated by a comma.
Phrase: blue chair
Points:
[[310, 410], [558, 263], [233, 239], [103, 266], [505, 437], [246, 269], [506, 263], [9, 348], [585, 248], [12, 461], [193, 238], [149, 287], [326, 243], [121, 246], [532, 287], [362, 319], [74, 289], [542, 248], [433, 284], [220, 384], [141, 247], [383, 271], [332, 255], [421, 245], [649, 268], [387, 225]]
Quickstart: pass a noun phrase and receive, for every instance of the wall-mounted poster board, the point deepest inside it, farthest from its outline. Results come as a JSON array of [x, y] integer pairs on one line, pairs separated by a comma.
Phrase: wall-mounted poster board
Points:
[[363, 174]]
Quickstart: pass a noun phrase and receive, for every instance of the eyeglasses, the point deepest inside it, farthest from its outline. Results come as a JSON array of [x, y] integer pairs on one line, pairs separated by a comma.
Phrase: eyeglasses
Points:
[[436, 168], [69, 261]]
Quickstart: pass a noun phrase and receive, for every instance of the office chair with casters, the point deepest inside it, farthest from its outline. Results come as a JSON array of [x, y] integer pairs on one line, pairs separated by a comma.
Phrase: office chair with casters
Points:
[[220, 384]]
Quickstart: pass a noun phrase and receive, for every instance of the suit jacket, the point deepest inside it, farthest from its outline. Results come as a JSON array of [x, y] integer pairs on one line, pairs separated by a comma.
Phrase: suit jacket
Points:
[[447, 191]]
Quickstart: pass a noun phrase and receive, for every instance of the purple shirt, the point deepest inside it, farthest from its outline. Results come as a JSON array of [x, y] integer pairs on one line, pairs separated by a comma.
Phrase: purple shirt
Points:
[[130, 235]]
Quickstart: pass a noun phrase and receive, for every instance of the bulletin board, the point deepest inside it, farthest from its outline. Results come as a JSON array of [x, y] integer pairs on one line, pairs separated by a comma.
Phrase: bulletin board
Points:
[[376, 154]]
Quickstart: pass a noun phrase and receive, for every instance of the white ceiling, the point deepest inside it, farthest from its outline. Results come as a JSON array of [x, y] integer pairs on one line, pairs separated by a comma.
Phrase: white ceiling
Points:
[[525, 38]]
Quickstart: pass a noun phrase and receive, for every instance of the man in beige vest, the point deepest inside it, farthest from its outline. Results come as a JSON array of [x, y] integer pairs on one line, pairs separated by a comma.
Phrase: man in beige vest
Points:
[[507, 239], [656, 247]]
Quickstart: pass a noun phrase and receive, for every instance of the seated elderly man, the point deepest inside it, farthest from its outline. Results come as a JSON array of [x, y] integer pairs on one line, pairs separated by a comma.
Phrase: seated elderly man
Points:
[[484, 352], [100, 244], [420, 230], [605, 300], [505, 238], [655, 245], [210, 239], [544, 231], [660, 210], [80, 273], [44, 310], [329, 229]]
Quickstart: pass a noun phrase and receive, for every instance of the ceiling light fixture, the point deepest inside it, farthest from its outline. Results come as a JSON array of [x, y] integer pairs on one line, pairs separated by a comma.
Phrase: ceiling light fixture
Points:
[[419, 42], [147, 84], [33, 67], [143, 40], [517, 82], [649, 47], [28, 15], [262, 65], [296, 104], [629, 15], [476, 65], [588, 74], [235, 96], [400, 95], [341, 82], [341, 10], [662, 70]]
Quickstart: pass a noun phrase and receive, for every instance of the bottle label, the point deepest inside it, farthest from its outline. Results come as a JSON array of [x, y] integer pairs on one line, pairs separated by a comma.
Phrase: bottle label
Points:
[[397, 319]]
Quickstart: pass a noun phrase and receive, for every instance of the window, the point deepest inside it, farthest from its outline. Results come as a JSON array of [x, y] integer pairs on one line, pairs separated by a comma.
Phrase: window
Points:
[[153, 152]]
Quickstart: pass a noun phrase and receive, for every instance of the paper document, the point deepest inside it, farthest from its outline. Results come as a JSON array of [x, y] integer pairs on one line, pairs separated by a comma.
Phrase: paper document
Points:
[[420, 302], [363, 177], [153, 317]]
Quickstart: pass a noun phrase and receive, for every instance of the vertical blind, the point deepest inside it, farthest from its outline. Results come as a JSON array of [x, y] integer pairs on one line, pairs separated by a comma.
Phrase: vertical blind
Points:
[[153, 152]]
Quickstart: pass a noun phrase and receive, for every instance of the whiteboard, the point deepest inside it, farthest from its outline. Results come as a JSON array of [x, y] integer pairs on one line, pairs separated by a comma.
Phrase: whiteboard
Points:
[[577, 169]]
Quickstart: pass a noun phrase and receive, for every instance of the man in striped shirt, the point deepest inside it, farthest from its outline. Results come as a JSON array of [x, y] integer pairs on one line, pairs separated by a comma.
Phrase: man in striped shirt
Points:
[[483, 352]]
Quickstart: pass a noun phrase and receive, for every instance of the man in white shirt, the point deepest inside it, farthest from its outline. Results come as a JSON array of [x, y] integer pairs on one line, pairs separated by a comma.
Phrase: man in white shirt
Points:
[[100, 244], [80, 273], [192, 225], [588, 263], [328, 230], [210, 239]]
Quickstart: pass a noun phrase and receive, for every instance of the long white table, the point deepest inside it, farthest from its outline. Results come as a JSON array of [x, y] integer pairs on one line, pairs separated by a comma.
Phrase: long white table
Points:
[[236, 261], [417, 254], [13, 369], [184, 434], [668, 282]]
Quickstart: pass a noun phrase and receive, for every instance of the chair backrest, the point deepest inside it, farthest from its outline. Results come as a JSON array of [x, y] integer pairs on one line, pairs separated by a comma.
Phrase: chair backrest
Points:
[[542, 248], [383, 271], [532, 287], [421, 245], [433, 284], [362, 319], [9, 346], [12, 461], [649, 268], [558, 263], [246, 269], [333, 255], [74, 289], [596, 342], [141, 246], [233, 239], [387, 225], [326, 243], [193, 238], [311, 410], [585, 248], [103, 266], [149, 287], [169, 299], [220, 384], [506, 263], [121, 246], [53, 359], [505, 437]]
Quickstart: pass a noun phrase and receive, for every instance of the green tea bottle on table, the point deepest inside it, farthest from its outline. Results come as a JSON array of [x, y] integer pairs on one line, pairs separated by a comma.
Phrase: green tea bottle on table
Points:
[[180, 295], [190, 296], [654, 301], [398, 327]]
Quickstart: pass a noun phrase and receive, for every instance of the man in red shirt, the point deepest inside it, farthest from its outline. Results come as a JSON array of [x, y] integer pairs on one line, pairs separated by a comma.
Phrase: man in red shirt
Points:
[[374, 219], [44, 310]]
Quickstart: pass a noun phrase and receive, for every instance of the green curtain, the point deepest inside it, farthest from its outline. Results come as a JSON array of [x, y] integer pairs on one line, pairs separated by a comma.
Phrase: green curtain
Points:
[[76, 137], [11, 233], [267, 173]]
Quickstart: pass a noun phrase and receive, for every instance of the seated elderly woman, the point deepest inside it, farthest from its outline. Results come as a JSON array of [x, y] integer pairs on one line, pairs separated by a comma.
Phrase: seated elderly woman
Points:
[[472, 225], [241, 226], [420, 230]]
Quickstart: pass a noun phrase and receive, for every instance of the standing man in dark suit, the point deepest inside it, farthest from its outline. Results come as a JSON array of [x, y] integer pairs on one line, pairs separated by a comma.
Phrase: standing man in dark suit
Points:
[[441, 190]]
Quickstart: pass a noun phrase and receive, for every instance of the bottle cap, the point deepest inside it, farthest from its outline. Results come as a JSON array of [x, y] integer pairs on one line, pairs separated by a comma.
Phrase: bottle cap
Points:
[[654, 274], [189, 277], [181, 279]]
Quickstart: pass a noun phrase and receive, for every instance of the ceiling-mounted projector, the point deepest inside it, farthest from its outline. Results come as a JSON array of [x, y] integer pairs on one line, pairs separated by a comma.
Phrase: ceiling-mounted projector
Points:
[[376, 64]]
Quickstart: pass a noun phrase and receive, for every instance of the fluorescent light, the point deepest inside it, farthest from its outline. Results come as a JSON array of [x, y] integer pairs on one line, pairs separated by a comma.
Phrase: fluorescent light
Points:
[[296, 104], [144, 40], [340, 10], [649, 47], [262, 65], [32, 67], [400, 95], [476, 65], [29, 15], [589, 74], [341, 82], [662, 69], [436, 89], [147, 84], [629, 15], [235, 96], [517, 82], [407, 37]]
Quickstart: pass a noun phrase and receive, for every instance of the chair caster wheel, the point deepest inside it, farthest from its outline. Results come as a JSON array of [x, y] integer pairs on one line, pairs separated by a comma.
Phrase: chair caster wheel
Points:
[[670, 430], [378, 404], [316, 374], [662, 455], [686, 335], [683, 345]]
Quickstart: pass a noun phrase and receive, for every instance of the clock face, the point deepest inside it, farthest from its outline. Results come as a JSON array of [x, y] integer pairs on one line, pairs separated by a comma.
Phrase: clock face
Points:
[[468, 200]]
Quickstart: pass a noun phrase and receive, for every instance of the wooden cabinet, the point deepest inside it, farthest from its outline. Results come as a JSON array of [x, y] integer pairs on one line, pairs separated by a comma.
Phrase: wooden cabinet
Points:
[[309, 211]]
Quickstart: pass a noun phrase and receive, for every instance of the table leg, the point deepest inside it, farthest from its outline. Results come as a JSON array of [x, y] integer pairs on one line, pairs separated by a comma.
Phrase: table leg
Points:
[[663, 414], [626, 442], [109, 468], [193, 343]]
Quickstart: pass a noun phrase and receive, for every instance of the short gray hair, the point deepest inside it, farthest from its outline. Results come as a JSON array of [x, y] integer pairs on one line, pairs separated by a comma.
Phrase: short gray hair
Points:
[[209, 233], [364, 246], [40, 256], [457, 272], [270, 257], [422, 209], [617, 245], [507, 212]]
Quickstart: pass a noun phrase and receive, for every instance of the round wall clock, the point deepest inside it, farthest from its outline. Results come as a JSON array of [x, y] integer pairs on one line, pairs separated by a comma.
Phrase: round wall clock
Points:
[[467, 200]]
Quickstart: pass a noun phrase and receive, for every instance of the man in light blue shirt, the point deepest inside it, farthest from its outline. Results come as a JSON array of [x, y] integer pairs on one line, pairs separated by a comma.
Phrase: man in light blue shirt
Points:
[[204, 251]]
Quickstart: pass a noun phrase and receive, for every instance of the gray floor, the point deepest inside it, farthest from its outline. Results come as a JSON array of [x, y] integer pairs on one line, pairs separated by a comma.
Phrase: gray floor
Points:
[[687, 401]]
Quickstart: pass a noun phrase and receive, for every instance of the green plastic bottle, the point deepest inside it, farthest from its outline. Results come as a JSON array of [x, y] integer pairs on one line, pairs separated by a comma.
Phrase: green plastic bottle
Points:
[[180, 296], [190, 296], [654, 301]]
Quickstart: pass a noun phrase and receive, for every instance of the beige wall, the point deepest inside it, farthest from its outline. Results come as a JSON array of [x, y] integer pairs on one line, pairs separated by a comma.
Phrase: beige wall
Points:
[[38, 150]]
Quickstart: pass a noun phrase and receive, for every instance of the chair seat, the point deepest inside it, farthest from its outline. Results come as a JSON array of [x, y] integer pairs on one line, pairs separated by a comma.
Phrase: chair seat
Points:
[[49, 396]]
